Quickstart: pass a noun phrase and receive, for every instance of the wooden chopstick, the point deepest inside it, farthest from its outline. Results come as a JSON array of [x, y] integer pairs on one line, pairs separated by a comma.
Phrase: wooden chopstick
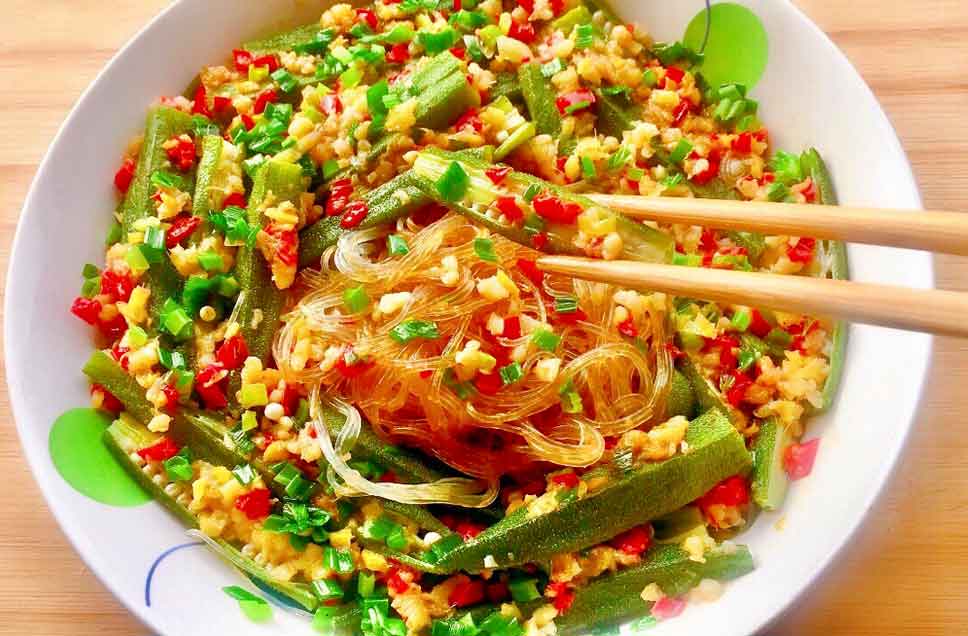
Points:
[[930, 310], [933, 231]]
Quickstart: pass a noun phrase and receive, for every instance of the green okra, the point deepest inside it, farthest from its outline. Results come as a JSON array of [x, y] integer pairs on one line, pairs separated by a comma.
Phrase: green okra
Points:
[[769, 479], [432, 71], [540, 99], [387, 203], [285, 41], [754, 242], [615, 114], [616, 597], [442, 103], [645, 492], [125, 437], [212, 179], [681, 399], [506, 85], [261, 302], [640, 242], [707, 395], [162, 124], [836, 252], [565, 23]]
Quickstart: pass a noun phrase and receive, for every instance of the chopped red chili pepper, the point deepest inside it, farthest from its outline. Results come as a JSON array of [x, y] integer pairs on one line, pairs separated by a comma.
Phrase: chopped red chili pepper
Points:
[[566, 480], [563, 596], [575, 101], [468, 529], [683, 108], [114, 328], [550, 207], [208, 385], [759, 327], [488, 384], [247, 121], [270, 61], [87, 309], [512, 327], [120, 354], [497, 592], [160, 451], [810, 191], [737, 392], [285, 243], [802, 252], [242, 59], [458, 52], [627, 328], [182, 153], [221, 104], [255, 504], [497, 174], [732, 491], [108, 401], [354, 214], [470, 118], [531, 272], [743, 143], [399, 53], [674, 351], [522, 32], [527, 5], [634, 541], [331, 103], [117, 286], [675, 74], [368, 17], [266, 97], [171, 397], [124, 175], [467, 593], [236, 199], [200, 103], [798, 459], [398, 580], [539, 240], [707, 241], [557, 6], [509, 208], [233, 352], [351, 369], [340, 192], [181, 229], [668, 607]]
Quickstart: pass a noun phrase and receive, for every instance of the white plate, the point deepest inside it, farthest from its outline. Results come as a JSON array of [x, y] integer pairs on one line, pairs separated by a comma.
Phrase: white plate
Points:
[[810, 95]]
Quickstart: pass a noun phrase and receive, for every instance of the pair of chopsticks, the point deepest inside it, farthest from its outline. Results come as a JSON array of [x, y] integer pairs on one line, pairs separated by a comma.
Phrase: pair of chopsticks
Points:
[[930, 310]]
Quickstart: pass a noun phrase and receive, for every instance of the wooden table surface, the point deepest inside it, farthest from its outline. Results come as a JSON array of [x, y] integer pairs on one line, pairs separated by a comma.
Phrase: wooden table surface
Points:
[[904, 573]]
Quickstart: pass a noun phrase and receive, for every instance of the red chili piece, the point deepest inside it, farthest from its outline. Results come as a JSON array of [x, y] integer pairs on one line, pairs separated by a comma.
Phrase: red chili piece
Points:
[[539, 241], [512, 327], [271, 61], [759, 327], [627, 328], [550, 207], [469, 118], [531, 272], [557, 6], [117, 286], [737, 392], [266, 97], [233, 352], [458, 52], [351, 370], [330, 103], [200, 105], [159, 452], [802, 252], [221, 104], [497, 175], [354, 214], [236, 198], [566, 480], [575, 101], [488, 384], [498, 592], [732, 491], [181, 229], [182, 154], [675, 74], [124, 175], [171, 398], [798, 459], [367, 16], [562, 594], [399, 53], [255, 504], [634, 541], [810, 192], [466, 593], [114, 328], [527, 5], [468, 529], [743, 143], [108, 401], [522, 32], [242, 59], [247, 121], [509, 208], [210, 389], [340, 192], [87, 309]]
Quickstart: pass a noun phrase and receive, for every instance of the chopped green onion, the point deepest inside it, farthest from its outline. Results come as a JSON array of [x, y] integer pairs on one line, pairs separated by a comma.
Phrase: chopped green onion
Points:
[[397, 245], [787, 167], [327, 589], [244, 473], [253, 163], [619, 158], [285, 80], [250, 421], [687, 260], [545, 340], [469, 20], [179, 467], [741, 319], [533, 190], [511, 373], [255, 608], [114, 234], [681, 151], [669, 52], [617, 90], [162, 179], [397, 539], [211, 261], [672, 180], [171, 359], [635, 173], [747, 122], [411, 329], [588, 168], [318, 45], [365, 584], [524, 590], [745, 359], [453, 184], [489, 36], [392, 99], [137, 337], [337, 560], [398, 34], [566, 304], [584, 36], [375, 95], [330, 169], [356, 299], [136, 260], [649, 78], [439, 42], [572, 108], [779, 338], [90, 271], [571, 402], [473, 46], [175, 320], [350, 77], [552, 68], [777, 192], [379, 528], [184, 381], [254, 395], [484, 248], [521, 134], [241, 440]]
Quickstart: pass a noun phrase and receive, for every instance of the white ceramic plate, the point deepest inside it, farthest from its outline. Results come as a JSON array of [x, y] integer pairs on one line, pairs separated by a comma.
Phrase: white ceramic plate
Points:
[[810, 95]]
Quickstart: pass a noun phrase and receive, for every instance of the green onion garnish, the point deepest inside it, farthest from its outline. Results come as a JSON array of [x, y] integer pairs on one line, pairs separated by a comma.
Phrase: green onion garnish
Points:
[[171, 359], [533, 190], [439, 42], [412, 329], [90, 271], [244, 474], [484, 248], [588, 168], [687, 260], [327, 589], [162, 179], [397, 539], [330, 169], [787, 167], [179, 467], [584, 36], [511, 373], [254, 395], [397, 245], [741, 319], [114, 234], [356, 299], [572, 108], [681, 151], [174, 319], [619, 158], [777, 191], [365, 584], [524, 590], [318, 45], [672, 180], [649, 78], [137, 336], [255, 608], [285, 80], [545, 340], [375, 95], [552, 68], [453, 184], [211, 261]]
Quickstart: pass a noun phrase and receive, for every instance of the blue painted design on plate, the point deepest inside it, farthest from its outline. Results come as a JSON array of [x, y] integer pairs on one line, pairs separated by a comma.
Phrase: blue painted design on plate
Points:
[[154, 566]]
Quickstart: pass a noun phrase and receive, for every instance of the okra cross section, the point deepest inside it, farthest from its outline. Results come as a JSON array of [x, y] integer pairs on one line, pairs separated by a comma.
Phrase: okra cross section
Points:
[[716, 451]]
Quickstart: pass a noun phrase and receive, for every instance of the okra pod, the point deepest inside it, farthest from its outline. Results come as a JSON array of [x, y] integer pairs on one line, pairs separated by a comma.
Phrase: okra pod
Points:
[[681, 399], [215, 168], [769, 479], [836, 251], [285, 41], [540, 99], [645, 492], [506, 85], [124, 438], [615, 597], [440, 104], [707, 396], [566, 23], [615, 114], [639, 242]]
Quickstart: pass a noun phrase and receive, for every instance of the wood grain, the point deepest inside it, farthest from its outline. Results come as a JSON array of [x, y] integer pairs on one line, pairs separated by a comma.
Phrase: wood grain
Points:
[[903, 573]]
